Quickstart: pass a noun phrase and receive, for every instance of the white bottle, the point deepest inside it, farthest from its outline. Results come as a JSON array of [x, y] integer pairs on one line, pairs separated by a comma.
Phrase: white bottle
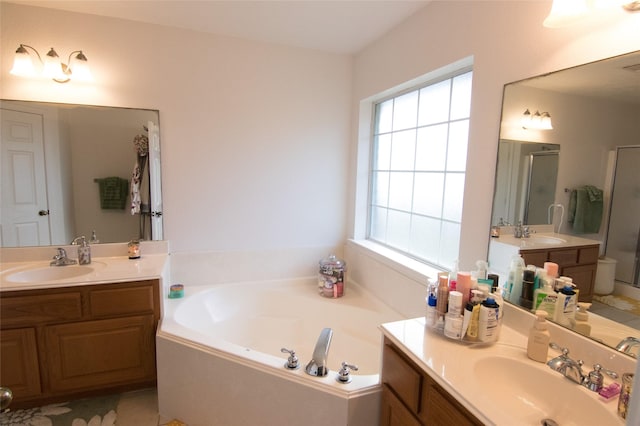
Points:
[[488, 329], [517, 267], [582, 319], [539, 338]]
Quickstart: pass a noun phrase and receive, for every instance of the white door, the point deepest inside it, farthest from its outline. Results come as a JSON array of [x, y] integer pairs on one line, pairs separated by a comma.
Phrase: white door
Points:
[[24, 219], [155, 181]]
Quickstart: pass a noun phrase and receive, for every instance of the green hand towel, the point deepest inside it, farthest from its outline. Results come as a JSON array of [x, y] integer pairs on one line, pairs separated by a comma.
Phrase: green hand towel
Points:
[[585, 214], [113, 193]]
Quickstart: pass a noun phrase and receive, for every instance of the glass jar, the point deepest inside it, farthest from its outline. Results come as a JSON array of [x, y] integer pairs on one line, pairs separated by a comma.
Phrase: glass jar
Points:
[[134, 249], [331, 276]]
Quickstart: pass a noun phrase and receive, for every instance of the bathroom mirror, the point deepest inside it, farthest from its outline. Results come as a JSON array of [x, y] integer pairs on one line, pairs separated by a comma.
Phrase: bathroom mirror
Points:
[[594, 109], [67, 171]]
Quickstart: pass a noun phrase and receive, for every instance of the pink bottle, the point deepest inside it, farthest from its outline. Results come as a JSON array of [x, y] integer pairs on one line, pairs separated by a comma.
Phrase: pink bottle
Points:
[[463, 285]]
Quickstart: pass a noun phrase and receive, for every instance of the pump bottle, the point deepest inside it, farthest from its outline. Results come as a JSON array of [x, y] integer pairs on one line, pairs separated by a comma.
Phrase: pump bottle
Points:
[[539, 338]]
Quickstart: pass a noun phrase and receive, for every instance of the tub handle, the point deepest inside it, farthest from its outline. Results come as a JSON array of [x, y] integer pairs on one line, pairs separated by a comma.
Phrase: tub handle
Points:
[[344, 375], [292, 362]]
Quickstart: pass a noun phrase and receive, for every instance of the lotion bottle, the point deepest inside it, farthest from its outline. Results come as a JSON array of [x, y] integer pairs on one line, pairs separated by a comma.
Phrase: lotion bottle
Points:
[[539, 338], [582, 319]]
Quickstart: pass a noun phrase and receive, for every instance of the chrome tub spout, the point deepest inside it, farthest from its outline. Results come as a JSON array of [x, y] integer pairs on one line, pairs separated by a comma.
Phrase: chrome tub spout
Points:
[[318, 364]]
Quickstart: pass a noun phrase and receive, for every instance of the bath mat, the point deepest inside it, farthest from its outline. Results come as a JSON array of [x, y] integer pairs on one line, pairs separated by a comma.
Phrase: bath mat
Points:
[[99, 411], [620, 302]]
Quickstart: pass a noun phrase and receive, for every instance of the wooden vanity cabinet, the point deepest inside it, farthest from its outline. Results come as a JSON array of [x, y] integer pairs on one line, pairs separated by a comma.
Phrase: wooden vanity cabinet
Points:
[[69, 342], [579, 263], [411, 398]]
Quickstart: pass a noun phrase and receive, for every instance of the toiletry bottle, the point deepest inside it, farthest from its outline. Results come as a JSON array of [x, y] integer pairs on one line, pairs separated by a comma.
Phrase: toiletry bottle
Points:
[[582, 319], [84, 252], [481, 272], [567, 303], [517, 267], [463, 285], [432, 315], [442, 295], [528, 279], [545, 298], [472, 313], [455, 303], [488, 321], [539, 338], [453, 326]]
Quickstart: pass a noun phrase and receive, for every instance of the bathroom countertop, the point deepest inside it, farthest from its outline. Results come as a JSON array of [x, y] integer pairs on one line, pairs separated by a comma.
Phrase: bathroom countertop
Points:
[[452, 365], [103, 270], [536, 241]]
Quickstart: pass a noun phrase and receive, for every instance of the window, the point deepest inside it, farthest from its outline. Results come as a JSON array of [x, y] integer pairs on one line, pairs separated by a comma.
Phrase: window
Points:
[[417, 170]]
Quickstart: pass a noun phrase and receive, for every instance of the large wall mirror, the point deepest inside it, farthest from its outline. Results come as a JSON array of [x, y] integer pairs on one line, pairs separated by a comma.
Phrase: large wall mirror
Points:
[[71, 170], [594, 141]]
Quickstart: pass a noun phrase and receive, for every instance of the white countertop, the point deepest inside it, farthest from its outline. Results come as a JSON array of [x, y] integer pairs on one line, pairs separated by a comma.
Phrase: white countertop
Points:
[[103, 270], [452, 363], [534, 243]]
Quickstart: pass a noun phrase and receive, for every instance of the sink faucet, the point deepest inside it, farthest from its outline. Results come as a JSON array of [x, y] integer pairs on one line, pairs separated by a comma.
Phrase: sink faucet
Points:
[[627, 344], [566, 366], [61, 259], [318, 364]]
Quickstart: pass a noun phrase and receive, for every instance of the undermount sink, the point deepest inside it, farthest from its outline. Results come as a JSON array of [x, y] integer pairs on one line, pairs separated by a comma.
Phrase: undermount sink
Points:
[[546, 239], [534, 392], [52, 273]]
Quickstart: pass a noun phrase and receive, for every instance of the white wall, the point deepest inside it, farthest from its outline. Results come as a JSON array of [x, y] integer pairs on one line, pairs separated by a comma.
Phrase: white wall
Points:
[[259, 141], [255, 137], [508, 43]]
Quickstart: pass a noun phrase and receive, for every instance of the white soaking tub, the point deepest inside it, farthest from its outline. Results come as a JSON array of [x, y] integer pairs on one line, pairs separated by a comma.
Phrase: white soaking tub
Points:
[[220, 360]]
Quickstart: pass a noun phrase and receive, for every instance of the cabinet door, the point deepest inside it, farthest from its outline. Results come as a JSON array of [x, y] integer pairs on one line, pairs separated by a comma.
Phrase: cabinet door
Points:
[[584, 277], [95, 354], [393, 412], [19, 369], [443, 410]]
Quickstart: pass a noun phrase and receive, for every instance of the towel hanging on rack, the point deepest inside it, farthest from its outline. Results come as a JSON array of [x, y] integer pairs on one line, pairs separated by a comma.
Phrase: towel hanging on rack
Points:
[[585, 209], [113, 192]]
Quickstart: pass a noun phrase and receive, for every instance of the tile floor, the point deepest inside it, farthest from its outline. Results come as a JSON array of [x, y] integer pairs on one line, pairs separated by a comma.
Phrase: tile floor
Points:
[[138, 408]]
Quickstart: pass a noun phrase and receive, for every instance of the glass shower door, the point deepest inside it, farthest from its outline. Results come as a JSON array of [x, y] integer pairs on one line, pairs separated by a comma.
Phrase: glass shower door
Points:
[[623, 238]]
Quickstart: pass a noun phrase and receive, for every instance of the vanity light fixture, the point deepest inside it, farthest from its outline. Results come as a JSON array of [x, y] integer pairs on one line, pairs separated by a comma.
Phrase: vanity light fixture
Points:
[[567, 12], [537, 121], [76, 67]]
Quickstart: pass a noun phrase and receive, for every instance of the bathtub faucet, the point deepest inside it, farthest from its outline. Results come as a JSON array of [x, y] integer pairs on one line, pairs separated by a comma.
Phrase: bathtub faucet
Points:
[[318, 364]]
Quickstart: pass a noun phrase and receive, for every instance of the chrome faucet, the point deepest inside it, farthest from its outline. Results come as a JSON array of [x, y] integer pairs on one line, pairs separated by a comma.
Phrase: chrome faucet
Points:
[[318, 364], [594, 381], [566, 366], [61, 259], [627, 344]]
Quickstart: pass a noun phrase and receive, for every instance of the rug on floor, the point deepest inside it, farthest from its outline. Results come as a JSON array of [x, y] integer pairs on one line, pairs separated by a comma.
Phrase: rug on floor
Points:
[[99, 411], [620, 302]]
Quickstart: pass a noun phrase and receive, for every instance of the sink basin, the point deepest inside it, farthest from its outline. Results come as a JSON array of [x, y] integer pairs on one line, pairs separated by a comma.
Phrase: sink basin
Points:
[[546, 239], [533, 392], [52, 273]]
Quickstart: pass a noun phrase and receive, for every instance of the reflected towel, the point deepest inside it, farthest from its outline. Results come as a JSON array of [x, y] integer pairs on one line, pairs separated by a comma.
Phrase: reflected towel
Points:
[[113, 193], [585, 210]]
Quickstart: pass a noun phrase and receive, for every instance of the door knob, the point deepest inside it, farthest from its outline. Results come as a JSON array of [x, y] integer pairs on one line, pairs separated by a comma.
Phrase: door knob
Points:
[[43, 212]]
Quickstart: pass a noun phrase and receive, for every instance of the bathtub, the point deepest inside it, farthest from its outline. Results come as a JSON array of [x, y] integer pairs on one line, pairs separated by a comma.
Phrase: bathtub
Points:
[[220, 361]]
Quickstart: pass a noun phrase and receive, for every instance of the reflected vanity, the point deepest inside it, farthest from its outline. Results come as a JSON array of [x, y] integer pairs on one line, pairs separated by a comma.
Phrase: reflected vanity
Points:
[[71, 167], [593, 108]]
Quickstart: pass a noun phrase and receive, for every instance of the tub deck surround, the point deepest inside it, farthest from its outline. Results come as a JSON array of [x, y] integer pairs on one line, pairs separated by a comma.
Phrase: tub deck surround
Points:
[[451, 364], [224, 340]]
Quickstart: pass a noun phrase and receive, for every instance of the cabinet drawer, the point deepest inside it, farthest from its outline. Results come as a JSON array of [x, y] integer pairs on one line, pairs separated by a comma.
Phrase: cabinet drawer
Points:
[[121, 300], [588, 255], [405, 381], [534, 257], [31, 310], [564, 257]]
